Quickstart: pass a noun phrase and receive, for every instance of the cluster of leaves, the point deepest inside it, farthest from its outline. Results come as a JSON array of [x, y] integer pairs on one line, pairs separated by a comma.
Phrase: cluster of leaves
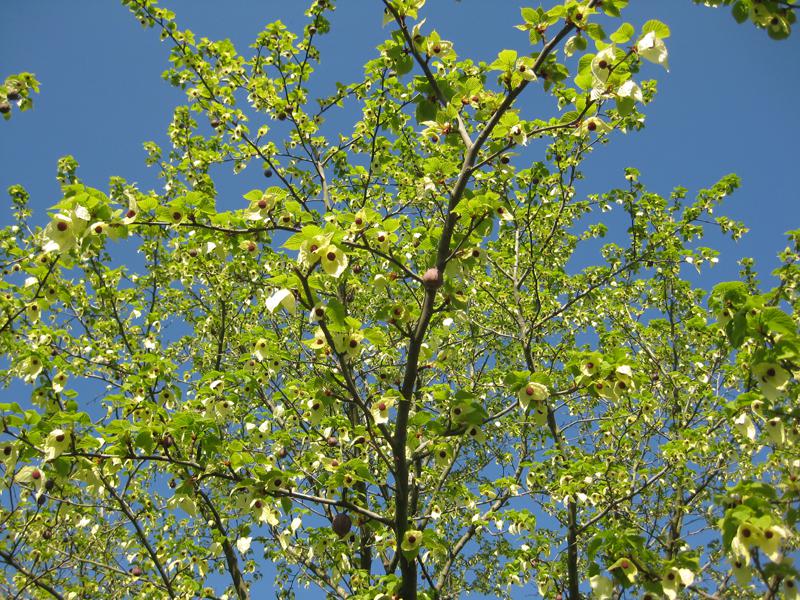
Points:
[[776, 16], [16, 90], [383, 369]]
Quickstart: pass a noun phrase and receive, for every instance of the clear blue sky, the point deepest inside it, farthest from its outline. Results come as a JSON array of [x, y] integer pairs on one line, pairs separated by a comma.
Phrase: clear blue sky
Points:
[[729, 103]]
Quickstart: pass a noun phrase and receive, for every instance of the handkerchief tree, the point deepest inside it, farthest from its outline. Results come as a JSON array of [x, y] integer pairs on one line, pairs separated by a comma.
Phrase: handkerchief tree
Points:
[[383, 370]]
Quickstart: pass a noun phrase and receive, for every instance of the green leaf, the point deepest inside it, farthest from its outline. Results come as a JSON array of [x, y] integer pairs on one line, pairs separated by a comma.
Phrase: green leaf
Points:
[[737, 329], [623, 34], [506, 61], [778, 321], [740, 11], [625, 105], [295, 241], [530, 15], [144, 440], [253, 195], [660, 29], [595, 31], [426, 110], [147, 203]]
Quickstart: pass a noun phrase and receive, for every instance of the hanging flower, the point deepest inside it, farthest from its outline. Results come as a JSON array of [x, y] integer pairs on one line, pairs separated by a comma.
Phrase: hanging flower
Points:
[[602, 587], [30, 368], [282, 297], [334, 261], [539, 414], [316, 410], [589, 365], [524, 67], [741, 569], [380, 409], [412, 540], [261, 205], [770, 543], [475, 433], [65, 230], [772, 378], [352, 345], [442, 454], [34, 312], [601, 65], [308, 254], [264, 511], [8, 454], [56, 443], [630, 89], [673, 579], [59, 380], [775, 431], [747, 535], [318, 343], [33, 476], [260, 349], [744, 425], [594, 125], [532, 391], [626, 568], [652, 48], [518, 135], [360, 221], [243, 544]]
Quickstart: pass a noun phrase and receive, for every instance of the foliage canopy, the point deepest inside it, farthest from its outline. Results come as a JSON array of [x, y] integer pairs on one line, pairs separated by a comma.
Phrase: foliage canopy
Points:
[[383, 368]]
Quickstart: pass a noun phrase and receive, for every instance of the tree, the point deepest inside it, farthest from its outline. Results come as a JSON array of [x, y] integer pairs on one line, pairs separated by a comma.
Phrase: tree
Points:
[[381, 367]]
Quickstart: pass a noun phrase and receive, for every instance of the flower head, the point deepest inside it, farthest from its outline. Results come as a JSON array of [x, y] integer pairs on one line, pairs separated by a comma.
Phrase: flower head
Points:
[[652, 48], [625, 568], [308, 253], [772, 378], [602, 64], [284, 298], [747, 535], [65, 230], [770, 543], [602, 587], [334, 261], [381, 407], [672, 580], [56, 443], [744, 425], [532, 391], [412, 540], [741, 569]]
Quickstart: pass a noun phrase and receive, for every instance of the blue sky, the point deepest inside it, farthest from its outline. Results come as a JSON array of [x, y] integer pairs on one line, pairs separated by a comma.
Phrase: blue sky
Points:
[[727, 105]]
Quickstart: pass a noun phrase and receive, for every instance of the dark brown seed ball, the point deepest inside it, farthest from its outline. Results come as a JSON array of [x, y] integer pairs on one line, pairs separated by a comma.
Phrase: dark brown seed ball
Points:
[[341, 524]]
